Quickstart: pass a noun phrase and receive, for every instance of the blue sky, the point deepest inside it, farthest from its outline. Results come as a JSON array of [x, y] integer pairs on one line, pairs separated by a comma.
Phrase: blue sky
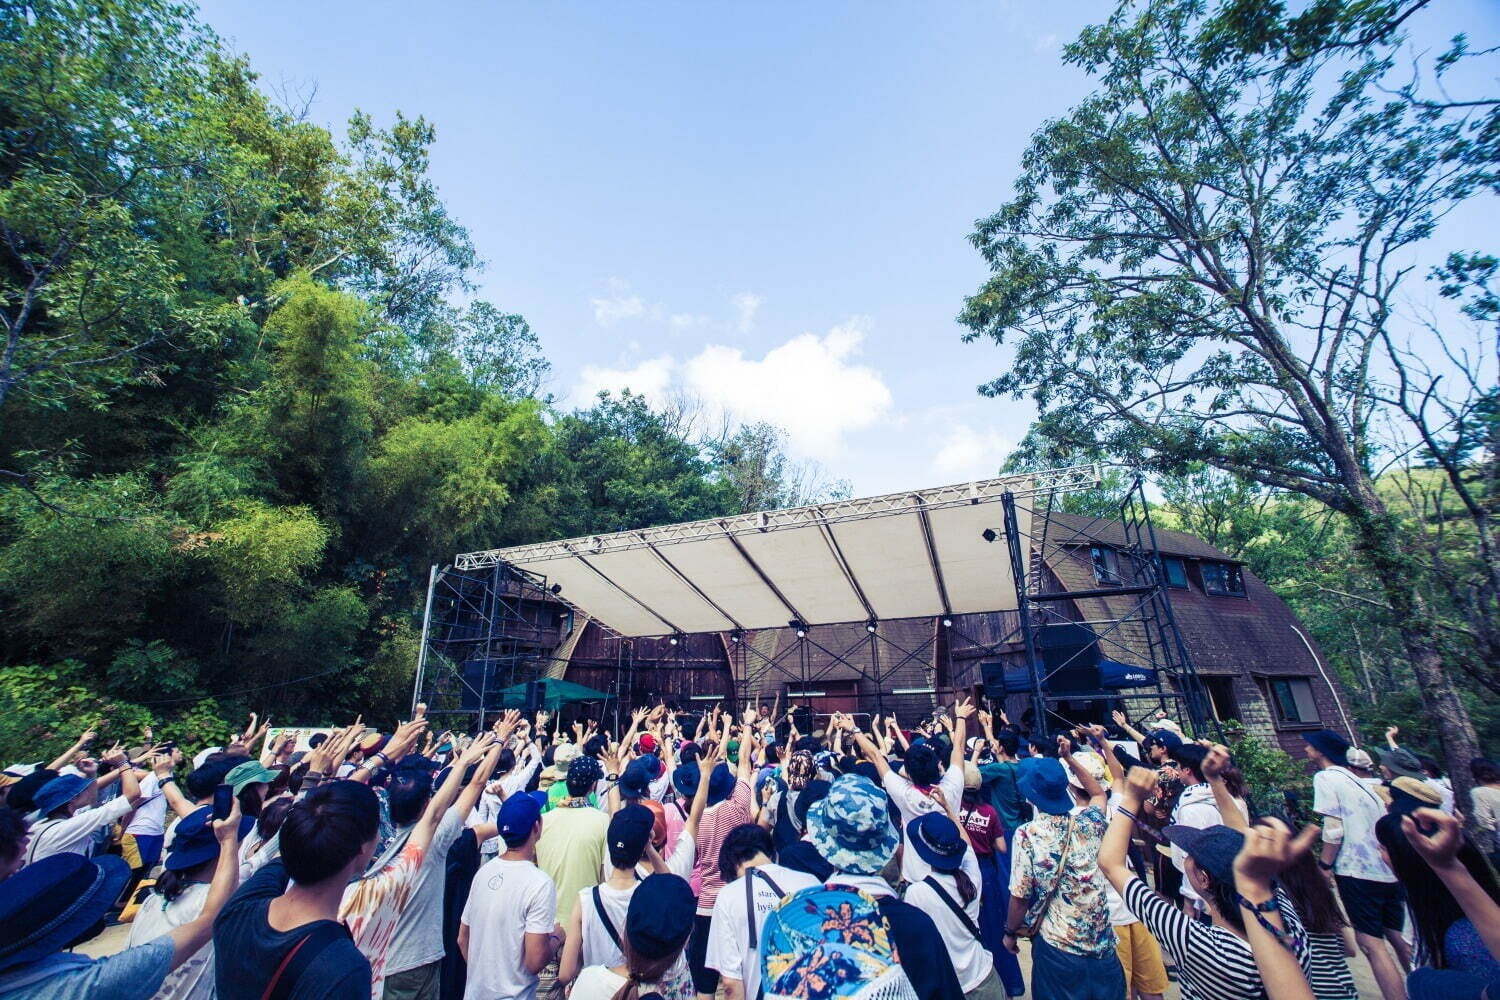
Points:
[[763, 206]]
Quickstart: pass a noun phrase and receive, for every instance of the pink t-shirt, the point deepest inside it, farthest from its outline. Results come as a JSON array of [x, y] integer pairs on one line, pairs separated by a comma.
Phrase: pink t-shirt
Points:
[[715, 825]]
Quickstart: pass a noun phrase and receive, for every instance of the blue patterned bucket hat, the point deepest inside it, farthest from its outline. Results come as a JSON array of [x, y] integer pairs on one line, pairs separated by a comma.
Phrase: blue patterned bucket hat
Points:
[[851, 826], [831, 943]]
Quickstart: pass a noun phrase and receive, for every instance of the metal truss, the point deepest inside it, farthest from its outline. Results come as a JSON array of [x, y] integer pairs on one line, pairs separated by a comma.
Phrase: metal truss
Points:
[[1049, 482]]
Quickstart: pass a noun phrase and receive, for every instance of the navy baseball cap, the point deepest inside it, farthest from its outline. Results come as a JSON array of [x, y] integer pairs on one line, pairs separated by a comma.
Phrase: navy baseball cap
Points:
[[1213, 848], [519, 815]]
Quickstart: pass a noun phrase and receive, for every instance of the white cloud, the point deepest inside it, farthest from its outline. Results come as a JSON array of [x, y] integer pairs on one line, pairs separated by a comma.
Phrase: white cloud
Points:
[[746, 304], [620, 304], [965, 453], [686, 321], [810, 386], [650, 378]]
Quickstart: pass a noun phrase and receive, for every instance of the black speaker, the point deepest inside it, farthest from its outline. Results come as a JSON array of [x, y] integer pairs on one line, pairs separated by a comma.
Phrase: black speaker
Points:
[[802, 715], [533, 698], [992, 674], [1070, 657]]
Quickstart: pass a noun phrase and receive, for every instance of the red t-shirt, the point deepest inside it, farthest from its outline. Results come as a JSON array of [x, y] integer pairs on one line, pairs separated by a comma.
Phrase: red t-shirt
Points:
[[983, 825]]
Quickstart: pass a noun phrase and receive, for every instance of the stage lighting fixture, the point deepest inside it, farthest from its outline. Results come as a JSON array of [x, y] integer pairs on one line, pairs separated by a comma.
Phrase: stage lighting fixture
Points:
[[802, 633], [556, 588], [947, 623], [870, 626], [988, 534], [734, 637], [673, 640]]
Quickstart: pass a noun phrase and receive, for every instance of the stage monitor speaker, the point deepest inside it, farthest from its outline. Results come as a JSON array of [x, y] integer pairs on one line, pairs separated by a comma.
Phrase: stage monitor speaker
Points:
[[533, 698], [802, 715], [1070, 657], [474, 683], [992, 674]]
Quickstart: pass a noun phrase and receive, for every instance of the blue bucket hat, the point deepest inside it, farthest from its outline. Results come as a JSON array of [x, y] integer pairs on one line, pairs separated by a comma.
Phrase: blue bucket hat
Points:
[[1330, 744], [836, 938], [720, 784], [685, 780], [58, 792], [635, 782], [937, 842], [1045, 784], [851, 826], [194, 842], [47, 905], [659, 918]]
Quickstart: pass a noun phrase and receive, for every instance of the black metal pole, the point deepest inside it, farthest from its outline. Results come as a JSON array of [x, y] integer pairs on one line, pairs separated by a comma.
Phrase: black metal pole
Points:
[[1028, 639]]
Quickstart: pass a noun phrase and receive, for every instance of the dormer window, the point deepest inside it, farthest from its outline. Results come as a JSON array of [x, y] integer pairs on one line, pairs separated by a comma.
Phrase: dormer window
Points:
[[1223, 579], [1106, 564], [1174, 572]]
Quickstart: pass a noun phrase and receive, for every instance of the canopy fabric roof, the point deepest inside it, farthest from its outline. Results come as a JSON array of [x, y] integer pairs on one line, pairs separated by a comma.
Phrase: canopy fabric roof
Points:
[[554, 692], [901, 555]]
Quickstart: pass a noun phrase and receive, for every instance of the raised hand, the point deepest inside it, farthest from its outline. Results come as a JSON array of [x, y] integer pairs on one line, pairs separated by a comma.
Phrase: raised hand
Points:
[[965, 709], [1215, 761], [475, 751], [1118, 717], [1435, 835], [1064, 745], [1140, 784], [1270, 848]]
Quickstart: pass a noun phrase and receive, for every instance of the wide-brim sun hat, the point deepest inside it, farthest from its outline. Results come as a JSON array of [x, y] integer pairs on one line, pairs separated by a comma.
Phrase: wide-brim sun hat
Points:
[[251, 772], [1330, 744], [721, 784], [59, 792], [1045, 784], [194, 842], [936, 840], [1094, 765], [851, 826], [48, 904], [834, 937], [1402, 763]]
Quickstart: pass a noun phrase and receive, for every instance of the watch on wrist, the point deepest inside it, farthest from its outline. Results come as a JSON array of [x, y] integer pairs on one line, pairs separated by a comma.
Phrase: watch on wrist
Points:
[[611, 777]]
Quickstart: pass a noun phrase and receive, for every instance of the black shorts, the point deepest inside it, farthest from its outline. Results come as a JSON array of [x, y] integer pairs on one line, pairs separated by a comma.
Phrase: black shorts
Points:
[[705, 980], [1373, 907]]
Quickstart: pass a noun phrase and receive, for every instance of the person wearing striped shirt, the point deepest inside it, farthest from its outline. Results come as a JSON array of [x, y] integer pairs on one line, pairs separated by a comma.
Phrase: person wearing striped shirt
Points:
[[1213, 957]]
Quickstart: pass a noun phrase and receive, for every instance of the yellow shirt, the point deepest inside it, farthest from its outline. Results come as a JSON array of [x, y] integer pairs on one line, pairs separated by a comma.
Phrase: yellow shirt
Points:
[[572, 851]]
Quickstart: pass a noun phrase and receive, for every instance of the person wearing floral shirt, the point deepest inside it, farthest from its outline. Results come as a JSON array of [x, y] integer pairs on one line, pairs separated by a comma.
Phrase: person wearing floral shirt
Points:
[[1056, 888]]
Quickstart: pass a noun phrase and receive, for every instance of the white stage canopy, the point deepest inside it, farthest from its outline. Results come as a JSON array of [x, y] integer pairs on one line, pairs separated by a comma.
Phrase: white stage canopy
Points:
[[903, 555]]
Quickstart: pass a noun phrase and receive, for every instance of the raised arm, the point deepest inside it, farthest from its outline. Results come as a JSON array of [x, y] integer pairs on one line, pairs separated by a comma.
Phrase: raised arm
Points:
[[1086, 781], [1139, 785], [67, 757], [1100, 738], [1213, 772], [706, 765], [1268, 850], [1436, 836], [189, 938], [866, 745], [1124, 723], [962, 712]]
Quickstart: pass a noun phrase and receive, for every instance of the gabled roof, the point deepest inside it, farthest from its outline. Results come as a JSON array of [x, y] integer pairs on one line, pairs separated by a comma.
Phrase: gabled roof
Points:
[[1062, 529]]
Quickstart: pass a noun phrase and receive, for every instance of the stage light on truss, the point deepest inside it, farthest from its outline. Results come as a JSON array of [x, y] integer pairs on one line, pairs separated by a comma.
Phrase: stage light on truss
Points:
[[947, 623], [988, 534], [734, 636], [556, 588], [871, 625], [800, 627], [673, 640]]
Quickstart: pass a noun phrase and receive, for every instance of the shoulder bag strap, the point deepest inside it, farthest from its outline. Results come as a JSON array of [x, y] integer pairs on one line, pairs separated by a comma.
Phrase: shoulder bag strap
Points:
[[300, 957], [1062, 867], [958, 911], [750, 878], [609, 925]]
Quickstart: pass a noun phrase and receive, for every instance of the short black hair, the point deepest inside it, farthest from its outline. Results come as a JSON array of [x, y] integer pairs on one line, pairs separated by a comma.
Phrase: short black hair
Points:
[[1190, 756], [12, 833], [325, 831], [1430, 765], [316, 740], [740, 845], [407, 796], [203, 779], [1009, 743]]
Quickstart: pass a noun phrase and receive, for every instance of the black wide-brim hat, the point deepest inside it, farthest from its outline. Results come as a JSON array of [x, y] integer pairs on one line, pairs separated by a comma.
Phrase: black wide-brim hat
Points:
[[45, 906]]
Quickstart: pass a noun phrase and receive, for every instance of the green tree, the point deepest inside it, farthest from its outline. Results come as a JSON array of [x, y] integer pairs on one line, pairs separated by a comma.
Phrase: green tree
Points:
[[1201, 260]]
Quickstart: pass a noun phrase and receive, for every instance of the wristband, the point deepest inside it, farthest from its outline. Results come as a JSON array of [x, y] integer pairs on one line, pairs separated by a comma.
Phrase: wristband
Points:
[[1122, 811], [167, 780]]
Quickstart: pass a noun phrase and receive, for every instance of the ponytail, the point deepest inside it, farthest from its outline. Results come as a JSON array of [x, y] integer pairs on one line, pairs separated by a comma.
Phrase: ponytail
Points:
[[966, 890], [640, 971]]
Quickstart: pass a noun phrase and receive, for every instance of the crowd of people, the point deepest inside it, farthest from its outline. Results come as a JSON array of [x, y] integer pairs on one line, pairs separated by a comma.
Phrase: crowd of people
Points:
[[692, 854]]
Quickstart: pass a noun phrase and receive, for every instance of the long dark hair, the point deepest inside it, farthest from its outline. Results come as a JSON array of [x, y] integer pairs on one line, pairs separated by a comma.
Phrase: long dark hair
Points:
[[1311, 896], [966, 890], [169, 884], [640, 970], [1433, 908]]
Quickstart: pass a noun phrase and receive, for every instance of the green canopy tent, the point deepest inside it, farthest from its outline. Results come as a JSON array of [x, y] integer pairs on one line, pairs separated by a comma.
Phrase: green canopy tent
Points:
[[554, 694]]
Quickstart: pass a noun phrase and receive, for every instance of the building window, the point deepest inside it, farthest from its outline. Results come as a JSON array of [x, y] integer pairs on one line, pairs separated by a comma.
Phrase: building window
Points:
[[1106, 564], [1223, 579], [1292, 701], [1220, 692], [1174, 572]]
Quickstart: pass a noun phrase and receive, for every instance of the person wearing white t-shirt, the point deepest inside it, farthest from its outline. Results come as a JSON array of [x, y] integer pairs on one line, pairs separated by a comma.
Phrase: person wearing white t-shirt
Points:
[[69, 826], [177, 899], [912, 792], [950, 896], [751, 877], [1367, 886], [509, 931]]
